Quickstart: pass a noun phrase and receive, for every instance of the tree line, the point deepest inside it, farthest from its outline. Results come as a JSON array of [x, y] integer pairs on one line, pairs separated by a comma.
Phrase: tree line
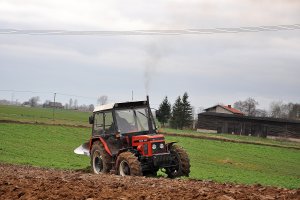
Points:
[[180, 114], [72, 103], [277, 109]]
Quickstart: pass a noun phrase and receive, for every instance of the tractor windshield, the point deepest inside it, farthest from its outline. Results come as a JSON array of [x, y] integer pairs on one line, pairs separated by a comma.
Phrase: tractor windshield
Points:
[[132, 120]]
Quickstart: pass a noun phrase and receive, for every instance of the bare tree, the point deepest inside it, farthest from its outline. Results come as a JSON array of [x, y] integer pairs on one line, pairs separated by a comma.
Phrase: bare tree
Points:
[[294, 112], [83, 108], [261, 113], [102, 100], [248, 106], [75, 104], [275, 109], [4, 102], [195, 116], [70, 103], [91, 107], [33, 101], [280, 110]]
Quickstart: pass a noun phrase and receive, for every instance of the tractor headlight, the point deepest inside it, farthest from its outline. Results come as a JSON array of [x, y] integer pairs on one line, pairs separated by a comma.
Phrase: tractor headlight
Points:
[[153, 146], [161, 146]]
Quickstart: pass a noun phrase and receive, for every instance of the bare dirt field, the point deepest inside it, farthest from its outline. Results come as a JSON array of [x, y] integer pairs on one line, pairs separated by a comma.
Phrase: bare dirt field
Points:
[[23, 182]]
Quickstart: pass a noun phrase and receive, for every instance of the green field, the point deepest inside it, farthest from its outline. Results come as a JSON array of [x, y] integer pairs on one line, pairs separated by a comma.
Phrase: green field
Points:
[[73, 117], [242, 138], [43, 115], [52, 146], [242, 163], [40, 145]]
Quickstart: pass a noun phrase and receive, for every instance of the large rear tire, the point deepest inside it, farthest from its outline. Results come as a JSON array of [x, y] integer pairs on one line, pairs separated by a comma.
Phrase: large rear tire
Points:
[[182, 162], [100, 159], [128, 165]]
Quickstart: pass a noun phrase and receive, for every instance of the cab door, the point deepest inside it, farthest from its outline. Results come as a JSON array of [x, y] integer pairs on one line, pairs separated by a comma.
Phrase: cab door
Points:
[[98, 126]]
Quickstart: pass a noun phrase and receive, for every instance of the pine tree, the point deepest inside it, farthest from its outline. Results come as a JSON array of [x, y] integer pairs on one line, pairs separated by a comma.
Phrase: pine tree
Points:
[[165, 112], [176, 119], [187, 110]]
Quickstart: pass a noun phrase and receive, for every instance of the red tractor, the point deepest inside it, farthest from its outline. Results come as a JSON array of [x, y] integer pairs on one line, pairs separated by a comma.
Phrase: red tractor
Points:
[[125, 141]]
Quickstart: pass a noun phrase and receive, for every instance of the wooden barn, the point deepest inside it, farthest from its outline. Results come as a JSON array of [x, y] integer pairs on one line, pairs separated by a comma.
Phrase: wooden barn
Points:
[[246, 125]]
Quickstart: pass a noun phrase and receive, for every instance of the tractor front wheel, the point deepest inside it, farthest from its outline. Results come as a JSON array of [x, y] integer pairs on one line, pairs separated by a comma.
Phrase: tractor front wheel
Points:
[[128, 165], [180, 160], [100, 159]]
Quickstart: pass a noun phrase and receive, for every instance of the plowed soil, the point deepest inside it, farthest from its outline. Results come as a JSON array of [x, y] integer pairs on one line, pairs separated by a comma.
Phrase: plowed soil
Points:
[[23, 182]]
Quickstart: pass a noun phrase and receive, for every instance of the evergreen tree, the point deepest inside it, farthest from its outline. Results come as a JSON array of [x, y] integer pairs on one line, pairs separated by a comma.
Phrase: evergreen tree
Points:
[[165, 112], [182, 113], [187, 111], [176, 119]]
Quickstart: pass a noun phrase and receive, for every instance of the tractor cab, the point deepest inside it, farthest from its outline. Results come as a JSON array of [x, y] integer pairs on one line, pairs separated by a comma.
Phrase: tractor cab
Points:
[[121, 125], [129, 118], [125, 140]]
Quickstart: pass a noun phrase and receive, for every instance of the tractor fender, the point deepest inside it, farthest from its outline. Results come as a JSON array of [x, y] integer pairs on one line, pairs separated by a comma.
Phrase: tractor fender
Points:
[[127, 149], [92, 140], [169, 145]]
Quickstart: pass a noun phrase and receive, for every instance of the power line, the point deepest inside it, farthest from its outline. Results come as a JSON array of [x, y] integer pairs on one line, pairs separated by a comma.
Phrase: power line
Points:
[[153, 32], [73, 95], [24, 91]]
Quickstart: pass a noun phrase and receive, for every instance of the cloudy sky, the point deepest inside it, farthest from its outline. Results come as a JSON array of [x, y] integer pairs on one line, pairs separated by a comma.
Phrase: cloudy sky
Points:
[[212, 68]]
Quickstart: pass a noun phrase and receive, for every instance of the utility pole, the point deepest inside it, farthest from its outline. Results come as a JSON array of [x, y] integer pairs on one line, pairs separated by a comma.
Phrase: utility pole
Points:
[[54, 105], [12, 98], [131, 95]]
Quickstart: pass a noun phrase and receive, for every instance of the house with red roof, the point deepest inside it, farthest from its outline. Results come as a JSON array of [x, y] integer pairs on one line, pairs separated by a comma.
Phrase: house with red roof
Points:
[[224, 109]]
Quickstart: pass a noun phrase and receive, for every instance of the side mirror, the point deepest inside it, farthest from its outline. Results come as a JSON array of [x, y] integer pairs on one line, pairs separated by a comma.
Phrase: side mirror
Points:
[[157, 114], [91, 119]]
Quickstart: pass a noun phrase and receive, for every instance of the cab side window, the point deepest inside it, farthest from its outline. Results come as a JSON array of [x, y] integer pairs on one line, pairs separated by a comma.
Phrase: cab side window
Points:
[[98, 123], [109, 122]]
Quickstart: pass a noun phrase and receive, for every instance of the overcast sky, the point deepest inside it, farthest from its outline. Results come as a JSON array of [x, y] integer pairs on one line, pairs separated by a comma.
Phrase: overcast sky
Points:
[[215, 68]]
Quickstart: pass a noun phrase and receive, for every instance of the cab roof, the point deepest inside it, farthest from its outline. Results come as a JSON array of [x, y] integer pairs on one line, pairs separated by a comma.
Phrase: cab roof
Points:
[[127, 104]]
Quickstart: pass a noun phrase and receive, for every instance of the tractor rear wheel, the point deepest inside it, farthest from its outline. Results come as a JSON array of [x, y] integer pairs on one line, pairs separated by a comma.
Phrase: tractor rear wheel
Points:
[[128, 165], [100, 159], [182, 162]]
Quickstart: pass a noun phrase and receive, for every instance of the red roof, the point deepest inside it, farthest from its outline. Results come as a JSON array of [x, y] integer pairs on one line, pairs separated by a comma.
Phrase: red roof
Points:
[[233, 110]]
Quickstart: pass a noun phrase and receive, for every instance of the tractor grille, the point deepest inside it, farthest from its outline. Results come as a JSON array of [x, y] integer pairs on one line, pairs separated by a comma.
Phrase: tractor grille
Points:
[[162, 160], [158, 148]]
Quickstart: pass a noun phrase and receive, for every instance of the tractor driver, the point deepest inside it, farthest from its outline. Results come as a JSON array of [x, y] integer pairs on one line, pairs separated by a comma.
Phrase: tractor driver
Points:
[[123, 125]]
